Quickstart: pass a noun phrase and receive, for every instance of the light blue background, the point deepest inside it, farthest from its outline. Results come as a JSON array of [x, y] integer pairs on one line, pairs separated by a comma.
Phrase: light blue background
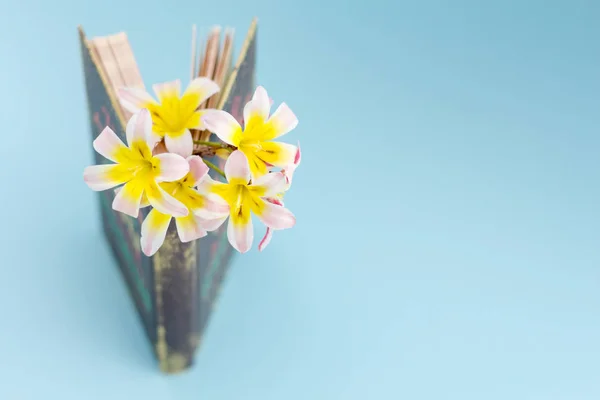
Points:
[[448, 206]]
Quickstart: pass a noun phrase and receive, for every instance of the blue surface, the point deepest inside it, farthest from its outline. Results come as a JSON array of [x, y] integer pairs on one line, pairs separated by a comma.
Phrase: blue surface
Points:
[[448, 205]]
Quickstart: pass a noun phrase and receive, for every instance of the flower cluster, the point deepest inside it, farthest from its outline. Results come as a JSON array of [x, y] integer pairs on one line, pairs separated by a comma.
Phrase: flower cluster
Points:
[[160, 166]]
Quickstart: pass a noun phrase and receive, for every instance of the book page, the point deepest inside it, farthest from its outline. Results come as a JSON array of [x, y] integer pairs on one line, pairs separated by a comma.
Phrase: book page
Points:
[[223, 66], [110, 66], [128, 68], [118, 62], [207, 68]]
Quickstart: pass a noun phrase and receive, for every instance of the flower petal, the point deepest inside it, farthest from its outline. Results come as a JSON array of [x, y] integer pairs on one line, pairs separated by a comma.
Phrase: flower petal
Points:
[[264, 242], [256, 111], [164, 202], [103, 177], [139, 128], [223, 125], [197, 170], [108, 145], [213, 206], [189, 228], [133, 99], [154, 140], [153, 232], [278, 154], [258, 167], [199, 90], [282, 121], [181, 144], [167, 90], [298, 156], [128, 199], [195, 121], [143, 203], [172, 167], [291, 169], [269, 233], [237, 168], [211, 224], [275, 216], [269, 185], [240, 233]]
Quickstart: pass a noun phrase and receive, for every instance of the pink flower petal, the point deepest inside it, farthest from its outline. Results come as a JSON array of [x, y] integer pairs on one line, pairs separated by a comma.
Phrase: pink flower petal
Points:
[[276, 217], [259, 107], [155, 138], [274, 200], [164, 202], [172, 167], [103, 177], [266, 239], [139, 128], [143, 203], [283, 120], [206, 185], [180, 144], [291, 169], [108, 144], [153, 232], [298, 156], [128, 199], [214, 207], [202, 88], [223, 125], [269, 233], [237, 168], [195, 122], [271, 183], [133, 99], [167, 90], [188, 228], [211, 224], [240, 235], [197, 169]]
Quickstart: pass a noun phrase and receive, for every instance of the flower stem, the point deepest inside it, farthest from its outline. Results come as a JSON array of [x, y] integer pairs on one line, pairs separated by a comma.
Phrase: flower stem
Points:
[[211, 144], [217, 169]]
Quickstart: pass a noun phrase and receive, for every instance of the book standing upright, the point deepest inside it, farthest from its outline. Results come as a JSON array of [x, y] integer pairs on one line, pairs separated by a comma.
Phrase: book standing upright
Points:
[[175, 290]]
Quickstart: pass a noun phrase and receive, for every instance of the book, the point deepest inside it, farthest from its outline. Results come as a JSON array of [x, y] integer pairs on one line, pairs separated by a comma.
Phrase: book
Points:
[[175, 290]]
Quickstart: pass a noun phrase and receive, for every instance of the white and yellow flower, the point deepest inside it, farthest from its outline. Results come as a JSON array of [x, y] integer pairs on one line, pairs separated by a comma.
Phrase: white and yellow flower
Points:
[[207, 212], [255, 140], [173, 115], [246, 197], [137, 169], [288, 172]]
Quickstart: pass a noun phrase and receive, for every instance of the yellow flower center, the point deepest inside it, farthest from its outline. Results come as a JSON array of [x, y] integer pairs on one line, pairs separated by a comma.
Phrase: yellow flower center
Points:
[[174, 115], [242, 199]]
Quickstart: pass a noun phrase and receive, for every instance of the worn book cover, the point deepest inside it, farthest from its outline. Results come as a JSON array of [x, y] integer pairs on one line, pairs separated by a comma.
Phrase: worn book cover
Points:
[[175, 290]]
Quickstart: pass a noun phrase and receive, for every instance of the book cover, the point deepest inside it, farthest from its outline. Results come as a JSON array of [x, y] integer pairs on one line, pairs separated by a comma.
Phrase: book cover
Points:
[[176, 289]]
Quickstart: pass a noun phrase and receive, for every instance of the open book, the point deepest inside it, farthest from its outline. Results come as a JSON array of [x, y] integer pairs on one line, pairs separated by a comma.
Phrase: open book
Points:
[[174, 290]]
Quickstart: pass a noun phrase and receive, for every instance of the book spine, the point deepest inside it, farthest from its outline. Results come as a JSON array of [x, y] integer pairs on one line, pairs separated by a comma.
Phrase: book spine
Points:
[[176, 277], [121, 231]]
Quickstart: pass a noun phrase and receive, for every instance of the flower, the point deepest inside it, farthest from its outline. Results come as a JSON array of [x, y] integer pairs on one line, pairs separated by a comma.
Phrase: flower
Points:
[[173, 115], [255, 140], [288, 172], [137, 169], [207, 212], [245, 197]]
